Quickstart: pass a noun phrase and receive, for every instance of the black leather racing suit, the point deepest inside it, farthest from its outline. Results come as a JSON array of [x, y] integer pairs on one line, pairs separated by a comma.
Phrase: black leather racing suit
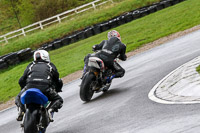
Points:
[[44, 76], [108, 51]]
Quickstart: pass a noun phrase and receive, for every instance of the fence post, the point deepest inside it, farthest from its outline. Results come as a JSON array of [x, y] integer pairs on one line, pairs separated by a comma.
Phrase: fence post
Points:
[[23, 32], [93, 5], [5, 39], [76, 11], [59, 20], [40, 23]]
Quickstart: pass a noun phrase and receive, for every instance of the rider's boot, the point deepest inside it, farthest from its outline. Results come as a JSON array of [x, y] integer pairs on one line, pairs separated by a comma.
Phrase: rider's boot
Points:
[[20, 115], [50, 113], [84, 71], [109, 79], [54, 106], [83, 75]]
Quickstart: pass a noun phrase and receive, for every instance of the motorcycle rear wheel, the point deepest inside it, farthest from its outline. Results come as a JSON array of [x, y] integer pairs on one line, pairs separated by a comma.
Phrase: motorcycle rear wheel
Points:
[[31, 120]]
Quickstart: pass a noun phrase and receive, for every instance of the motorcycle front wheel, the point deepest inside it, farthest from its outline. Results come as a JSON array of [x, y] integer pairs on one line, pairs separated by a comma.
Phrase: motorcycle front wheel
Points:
[[86, 91]]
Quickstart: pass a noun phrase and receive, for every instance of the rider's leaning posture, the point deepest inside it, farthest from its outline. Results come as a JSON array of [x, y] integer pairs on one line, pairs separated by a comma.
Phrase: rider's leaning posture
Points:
[[108, 51], [43, 75]]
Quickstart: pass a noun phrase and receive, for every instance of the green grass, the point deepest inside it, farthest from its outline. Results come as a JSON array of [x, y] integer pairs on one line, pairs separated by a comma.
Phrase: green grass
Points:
[[198, 69], [104, 13], [69, 59]]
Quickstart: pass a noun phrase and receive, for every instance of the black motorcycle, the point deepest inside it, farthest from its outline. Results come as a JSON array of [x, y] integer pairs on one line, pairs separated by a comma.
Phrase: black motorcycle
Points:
[[95, 80], [36, 118]]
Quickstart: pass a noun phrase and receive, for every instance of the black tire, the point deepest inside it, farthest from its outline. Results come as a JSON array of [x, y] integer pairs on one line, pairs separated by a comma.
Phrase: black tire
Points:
[[86, 91], [31, 120]]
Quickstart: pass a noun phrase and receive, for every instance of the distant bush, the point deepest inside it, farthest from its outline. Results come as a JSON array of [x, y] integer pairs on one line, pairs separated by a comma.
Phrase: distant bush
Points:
[[36, 10], [8, 21]]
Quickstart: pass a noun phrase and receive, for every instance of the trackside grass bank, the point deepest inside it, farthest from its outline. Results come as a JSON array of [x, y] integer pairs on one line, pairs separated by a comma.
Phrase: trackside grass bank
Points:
[[104, 13], [198, 69], [69, 59]]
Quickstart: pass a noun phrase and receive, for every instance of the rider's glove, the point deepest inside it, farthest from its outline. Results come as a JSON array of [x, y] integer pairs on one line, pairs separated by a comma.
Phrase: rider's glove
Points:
[[94, 48]]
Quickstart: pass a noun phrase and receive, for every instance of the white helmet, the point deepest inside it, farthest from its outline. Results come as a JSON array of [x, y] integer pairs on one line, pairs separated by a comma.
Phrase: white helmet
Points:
[[41, 54], [114, 33]]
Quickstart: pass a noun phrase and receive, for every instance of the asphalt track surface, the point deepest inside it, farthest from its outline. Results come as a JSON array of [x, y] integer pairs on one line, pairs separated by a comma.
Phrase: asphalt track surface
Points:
[[125, 108]]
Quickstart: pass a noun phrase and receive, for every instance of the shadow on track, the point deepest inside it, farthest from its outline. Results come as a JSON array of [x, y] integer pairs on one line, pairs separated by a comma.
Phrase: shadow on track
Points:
[[110, 93]]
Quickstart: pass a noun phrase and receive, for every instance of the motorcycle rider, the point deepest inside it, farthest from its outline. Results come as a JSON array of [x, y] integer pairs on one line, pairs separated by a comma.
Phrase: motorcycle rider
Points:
[[108, 51], [43, 75]]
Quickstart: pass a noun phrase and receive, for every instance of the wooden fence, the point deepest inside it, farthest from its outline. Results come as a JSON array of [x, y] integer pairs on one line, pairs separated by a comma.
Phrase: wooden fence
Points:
[[51, 20]]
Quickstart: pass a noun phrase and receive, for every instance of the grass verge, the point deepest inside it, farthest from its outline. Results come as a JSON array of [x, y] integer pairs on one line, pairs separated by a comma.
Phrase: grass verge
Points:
[[135, 34], [198, 69]]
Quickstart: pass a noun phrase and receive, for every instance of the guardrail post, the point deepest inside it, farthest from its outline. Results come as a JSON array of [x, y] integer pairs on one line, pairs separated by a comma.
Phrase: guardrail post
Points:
[[93, 5], [40, 23], [5, 39], [59, 20], [23, 32]]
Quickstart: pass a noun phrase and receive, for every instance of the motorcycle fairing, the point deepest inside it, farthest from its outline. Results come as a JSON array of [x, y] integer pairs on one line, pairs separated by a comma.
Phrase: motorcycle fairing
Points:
[[33, 95], [97, 63]]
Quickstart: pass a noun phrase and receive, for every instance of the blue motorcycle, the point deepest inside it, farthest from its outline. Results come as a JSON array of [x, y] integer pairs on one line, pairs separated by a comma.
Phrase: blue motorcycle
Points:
[[36, 117]]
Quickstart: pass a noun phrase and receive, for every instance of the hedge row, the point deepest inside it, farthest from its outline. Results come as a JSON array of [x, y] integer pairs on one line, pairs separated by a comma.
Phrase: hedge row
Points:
[[17, 57]]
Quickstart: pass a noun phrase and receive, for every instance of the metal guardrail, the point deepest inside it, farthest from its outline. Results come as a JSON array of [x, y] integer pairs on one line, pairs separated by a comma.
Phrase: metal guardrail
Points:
[[54, 19]]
